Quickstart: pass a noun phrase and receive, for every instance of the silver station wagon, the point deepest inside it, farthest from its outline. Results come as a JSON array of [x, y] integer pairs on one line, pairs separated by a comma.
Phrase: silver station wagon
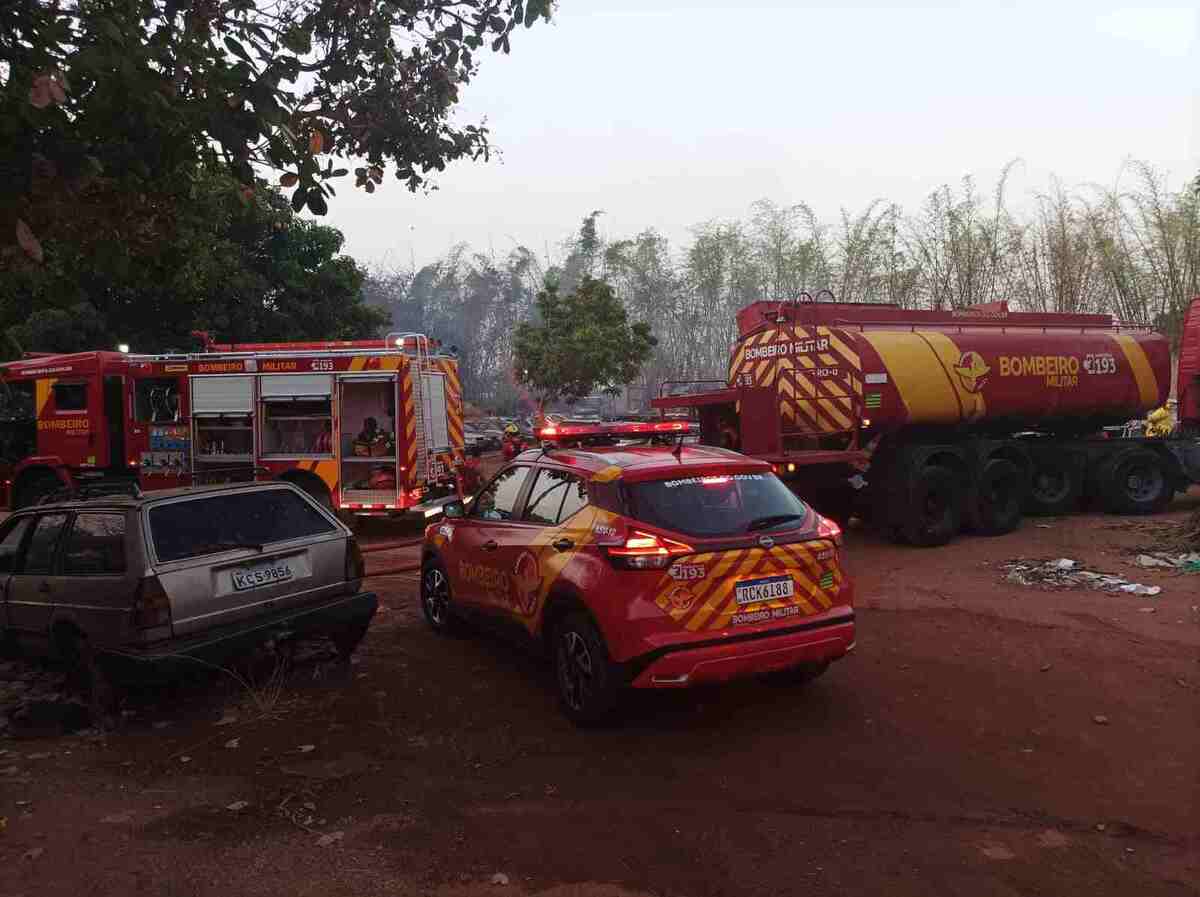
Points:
[[134, 587]]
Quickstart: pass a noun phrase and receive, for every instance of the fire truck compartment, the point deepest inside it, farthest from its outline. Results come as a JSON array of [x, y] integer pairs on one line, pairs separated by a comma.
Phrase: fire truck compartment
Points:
[[370, 473]]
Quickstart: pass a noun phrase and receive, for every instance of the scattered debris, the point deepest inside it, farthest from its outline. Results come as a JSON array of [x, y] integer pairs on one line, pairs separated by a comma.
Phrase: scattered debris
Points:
[[1065, 573], [227, 720], [1169, 561], [238, 805], [1046, 667], [1100, 719], [185, 759], [160, 724], [307, 748], [330, 839], [233, 743], [34, 852], [500, 879]]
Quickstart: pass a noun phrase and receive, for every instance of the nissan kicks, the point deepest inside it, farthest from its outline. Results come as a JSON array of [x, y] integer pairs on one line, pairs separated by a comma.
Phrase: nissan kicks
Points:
[[643, 566]]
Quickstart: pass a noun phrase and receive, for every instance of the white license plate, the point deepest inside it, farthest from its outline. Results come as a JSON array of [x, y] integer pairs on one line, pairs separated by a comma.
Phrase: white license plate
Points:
[[753, 591], [261, 575]]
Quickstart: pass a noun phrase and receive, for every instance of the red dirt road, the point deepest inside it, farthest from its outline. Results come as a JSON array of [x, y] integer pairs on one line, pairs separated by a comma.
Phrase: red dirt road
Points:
[[956, 753]]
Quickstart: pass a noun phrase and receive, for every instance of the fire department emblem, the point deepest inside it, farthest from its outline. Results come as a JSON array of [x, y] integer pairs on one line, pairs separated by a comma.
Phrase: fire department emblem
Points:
[[526, 583], [972, 371]]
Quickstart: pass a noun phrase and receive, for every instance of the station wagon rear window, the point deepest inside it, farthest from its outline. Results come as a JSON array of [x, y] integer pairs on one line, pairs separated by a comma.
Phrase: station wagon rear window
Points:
[[714, 506], [211, 524]]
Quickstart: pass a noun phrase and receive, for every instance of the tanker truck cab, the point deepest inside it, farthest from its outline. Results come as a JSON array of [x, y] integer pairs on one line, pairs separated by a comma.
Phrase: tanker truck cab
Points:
[[932, 422], [69, 423]]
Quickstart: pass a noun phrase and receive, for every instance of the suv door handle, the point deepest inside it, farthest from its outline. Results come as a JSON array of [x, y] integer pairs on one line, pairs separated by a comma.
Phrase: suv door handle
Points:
[[563, 544], [489, 545]]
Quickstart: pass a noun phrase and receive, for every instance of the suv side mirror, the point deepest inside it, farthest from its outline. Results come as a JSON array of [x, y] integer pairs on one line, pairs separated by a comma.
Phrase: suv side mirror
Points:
[[453, 509]]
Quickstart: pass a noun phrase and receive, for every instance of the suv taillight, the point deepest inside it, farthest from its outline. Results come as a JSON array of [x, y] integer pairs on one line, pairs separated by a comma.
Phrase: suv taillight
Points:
[[646, 551], [356, 568], [151, 606], [827, 529]]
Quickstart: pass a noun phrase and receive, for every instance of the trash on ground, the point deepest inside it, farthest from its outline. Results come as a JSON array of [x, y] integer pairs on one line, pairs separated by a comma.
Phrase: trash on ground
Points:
[[330, 839], [1188, 562], [500, 879], [238, 805], [1065, 573]]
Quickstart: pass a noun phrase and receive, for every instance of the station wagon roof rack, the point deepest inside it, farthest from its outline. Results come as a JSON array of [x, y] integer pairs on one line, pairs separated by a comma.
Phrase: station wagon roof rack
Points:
[[88, 491]]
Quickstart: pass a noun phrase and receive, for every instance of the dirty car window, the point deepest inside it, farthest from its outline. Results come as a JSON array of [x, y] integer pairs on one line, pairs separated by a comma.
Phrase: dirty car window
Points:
[[222, 522]]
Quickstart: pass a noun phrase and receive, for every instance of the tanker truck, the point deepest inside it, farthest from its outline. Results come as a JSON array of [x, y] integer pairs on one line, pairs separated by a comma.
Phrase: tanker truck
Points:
[[930, 422]]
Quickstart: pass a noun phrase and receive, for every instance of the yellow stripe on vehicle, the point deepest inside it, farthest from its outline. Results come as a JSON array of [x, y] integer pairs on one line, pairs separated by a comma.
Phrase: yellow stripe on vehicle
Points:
[[717, 595], [43, 389], [607, 475], [1147, 383], [925, 388]]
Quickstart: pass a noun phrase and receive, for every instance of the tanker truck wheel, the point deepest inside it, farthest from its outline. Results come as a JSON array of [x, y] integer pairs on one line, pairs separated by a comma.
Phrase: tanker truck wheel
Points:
[[997, 506], [1135, 483], [934, 515], [1054, 488]]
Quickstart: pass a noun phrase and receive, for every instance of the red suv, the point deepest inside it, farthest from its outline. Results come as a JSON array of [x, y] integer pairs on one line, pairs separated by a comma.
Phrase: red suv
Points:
[[644, 566]]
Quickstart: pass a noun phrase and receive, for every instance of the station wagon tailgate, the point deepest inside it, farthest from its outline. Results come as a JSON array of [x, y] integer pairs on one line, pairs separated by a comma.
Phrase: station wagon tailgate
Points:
[[235, 556]]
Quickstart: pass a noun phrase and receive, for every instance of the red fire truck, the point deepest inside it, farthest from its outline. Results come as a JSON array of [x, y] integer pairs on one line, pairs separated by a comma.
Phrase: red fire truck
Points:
[[367, 427]]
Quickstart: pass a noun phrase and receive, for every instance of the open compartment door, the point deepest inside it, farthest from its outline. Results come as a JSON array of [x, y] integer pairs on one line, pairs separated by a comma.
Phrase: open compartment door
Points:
[[368, 464]]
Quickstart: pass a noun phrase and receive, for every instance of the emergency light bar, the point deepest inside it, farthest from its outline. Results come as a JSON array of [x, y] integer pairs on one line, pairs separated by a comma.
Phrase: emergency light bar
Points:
[[569, 431]]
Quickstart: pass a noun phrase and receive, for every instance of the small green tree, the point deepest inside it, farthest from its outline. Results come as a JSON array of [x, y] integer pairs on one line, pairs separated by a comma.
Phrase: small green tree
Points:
[[581, 341]]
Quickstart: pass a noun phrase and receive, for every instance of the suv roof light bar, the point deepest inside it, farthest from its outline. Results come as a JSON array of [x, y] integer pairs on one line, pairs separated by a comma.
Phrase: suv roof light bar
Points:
[[556, 432]]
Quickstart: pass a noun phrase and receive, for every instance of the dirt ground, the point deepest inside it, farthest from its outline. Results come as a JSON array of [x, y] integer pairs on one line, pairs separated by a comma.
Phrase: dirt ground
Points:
[[987, 738]]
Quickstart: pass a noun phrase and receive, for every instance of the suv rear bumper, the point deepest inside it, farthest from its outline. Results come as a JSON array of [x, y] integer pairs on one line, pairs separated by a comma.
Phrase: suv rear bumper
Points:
[[691, 664], [217, 647]]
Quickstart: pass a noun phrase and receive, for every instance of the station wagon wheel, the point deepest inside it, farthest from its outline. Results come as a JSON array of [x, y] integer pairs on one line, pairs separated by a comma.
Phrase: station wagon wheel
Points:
[[88, 679], [436, 602], [588, 681]]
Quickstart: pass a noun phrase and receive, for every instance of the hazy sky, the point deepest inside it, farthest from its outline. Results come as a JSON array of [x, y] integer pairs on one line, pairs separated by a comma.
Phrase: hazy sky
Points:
[[665, 114]]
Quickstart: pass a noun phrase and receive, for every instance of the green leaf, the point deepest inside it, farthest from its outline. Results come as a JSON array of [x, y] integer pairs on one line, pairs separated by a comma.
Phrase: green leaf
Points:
[[316, 203], [299, 198], [298, 40], [237, 49], [455, 32], [111, 31]]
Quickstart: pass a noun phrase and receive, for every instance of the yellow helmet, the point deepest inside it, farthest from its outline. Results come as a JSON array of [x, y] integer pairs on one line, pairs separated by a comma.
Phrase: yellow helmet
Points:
[[511, 430]]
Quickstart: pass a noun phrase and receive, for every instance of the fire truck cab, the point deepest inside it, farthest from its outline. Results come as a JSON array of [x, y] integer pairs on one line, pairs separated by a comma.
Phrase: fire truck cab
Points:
[[368, 427]]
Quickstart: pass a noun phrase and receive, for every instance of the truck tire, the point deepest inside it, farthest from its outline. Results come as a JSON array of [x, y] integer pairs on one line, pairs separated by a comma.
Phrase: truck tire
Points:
[[1054, 488], [997, 506], [934, 514], [1135, 482], [35, 486]]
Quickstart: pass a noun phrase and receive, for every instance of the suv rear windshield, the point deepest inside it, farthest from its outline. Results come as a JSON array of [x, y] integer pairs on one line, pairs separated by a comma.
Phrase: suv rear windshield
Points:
[[209, 524], [717, 505]]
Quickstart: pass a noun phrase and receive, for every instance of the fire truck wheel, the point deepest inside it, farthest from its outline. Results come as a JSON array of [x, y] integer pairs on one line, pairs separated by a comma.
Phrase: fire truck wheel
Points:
[[436, 601], [934, 515], [588, 681], [1055, 487], [997, 506], [35, 486], [1135, 482]]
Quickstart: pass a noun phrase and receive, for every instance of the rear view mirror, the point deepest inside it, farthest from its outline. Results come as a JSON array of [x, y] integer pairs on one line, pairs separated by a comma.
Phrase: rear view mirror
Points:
[[453, 509]]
